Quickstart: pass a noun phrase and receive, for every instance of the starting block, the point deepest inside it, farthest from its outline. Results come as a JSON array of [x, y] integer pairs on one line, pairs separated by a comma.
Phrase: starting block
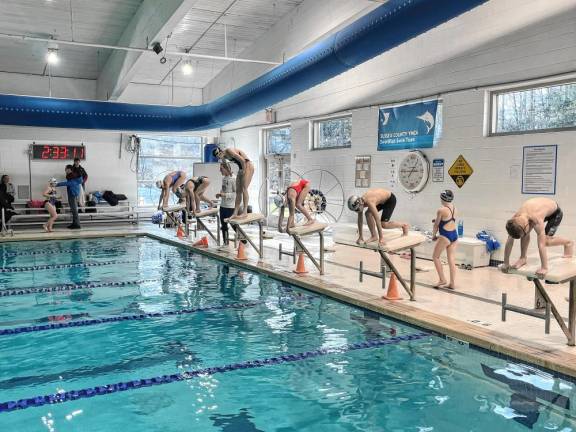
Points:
[[394, 242], [297, 233], [170, 212], [562, 270], [237, 225], [200, 223]]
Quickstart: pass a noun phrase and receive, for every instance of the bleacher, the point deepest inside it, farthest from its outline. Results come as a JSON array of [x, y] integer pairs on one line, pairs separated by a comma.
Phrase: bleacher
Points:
[[101, 214]]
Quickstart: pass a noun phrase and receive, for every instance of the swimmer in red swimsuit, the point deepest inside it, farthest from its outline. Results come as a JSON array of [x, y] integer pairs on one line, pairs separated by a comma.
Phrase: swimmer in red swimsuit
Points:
[[294, 198]]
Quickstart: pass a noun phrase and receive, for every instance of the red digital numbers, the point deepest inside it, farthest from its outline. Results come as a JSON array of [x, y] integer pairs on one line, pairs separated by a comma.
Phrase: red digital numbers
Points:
[[58, 152], [45, 152]]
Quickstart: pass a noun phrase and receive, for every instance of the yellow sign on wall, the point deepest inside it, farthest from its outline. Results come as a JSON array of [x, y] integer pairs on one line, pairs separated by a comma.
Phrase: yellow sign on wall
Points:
[[460, 171]]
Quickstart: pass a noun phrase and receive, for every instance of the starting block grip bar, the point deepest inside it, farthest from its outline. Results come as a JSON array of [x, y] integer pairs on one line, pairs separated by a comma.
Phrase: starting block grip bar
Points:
[[524, 311], [282, 252], [381, 274]]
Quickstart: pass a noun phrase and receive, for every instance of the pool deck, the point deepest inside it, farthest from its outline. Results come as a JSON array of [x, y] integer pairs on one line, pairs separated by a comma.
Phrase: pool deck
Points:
[[471, 313]]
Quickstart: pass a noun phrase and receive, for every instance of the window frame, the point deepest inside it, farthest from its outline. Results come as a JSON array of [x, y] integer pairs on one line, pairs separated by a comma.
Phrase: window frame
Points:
[[194, 159], [493, 108], [314, 131], [267, 130]]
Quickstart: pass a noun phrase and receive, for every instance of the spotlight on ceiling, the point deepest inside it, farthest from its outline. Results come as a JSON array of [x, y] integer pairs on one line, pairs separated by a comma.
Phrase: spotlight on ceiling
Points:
[[187, 68], [157, 48], [52, 56]]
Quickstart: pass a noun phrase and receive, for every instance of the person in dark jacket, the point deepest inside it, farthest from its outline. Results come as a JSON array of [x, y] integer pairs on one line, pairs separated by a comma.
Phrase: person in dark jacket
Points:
[[73, 185], [80, 171], [7, 189]]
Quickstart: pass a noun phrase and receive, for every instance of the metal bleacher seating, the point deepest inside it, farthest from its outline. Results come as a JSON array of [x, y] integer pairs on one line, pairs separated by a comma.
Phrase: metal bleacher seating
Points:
[[101, 214]]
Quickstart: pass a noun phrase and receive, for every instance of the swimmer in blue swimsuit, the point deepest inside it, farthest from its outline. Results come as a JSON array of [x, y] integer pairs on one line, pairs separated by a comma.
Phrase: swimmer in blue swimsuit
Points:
[[171, 181], [446, 237]]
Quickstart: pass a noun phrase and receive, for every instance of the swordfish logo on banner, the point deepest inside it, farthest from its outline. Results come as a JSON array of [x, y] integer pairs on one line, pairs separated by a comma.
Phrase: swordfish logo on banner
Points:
[[407, 126]]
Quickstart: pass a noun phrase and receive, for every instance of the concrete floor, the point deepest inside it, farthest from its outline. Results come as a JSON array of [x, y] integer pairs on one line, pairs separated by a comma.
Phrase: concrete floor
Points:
[[472, 312]]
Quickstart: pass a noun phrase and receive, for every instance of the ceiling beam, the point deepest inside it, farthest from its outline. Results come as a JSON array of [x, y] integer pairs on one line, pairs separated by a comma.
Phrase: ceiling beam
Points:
[[152, 22]]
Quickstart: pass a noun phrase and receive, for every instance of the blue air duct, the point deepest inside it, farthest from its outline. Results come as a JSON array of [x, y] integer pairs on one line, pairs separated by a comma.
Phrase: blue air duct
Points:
[[386, 27]]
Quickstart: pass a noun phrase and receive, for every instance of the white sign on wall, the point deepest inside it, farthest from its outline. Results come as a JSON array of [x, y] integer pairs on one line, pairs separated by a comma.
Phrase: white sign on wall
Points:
[[539, 169], [438, 170]]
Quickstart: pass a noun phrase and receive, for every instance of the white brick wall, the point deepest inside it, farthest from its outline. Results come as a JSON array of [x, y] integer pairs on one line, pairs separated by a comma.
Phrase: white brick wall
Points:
[[502, 41]]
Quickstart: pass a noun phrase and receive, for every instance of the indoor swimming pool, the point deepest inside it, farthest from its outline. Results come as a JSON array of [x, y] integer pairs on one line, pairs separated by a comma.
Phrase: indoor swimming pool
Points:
[[131, 334]]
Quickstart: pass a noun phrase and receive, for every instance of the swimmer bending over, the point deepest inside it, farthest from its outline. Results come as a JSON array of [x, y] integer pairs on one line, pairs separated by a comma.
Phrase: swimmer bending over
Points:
[[294, 198], [171, 181], [375, 200], [543, 215], [195, 188]]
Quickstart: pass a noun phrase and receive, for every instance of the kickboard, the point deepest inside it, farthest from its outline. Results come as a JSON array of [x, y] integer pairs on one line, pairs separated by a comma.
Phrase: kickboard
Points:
[[559, 269], [205, 213], [392, 245], [251, 217], [308, 229]]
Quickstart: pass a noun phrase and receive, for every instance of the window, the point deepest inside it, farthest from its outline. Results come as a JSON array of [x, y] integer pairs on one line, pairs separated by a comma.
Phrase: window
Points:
[[333, 132], [160, 155], [534, 109], [278, 140]]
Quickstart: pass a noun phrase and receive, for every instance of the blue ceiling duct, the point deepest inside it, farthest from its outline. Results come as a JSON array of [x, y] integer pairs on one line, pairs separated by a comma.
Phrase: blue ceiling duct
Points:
[[386, 27]]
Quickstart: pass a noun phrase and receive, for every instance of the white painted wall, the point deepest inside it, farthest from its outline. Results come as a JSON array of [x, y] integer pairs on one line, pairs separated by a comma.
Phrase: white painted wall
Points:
[[105, 169], [502, 41], [37, 85], [161, 95]]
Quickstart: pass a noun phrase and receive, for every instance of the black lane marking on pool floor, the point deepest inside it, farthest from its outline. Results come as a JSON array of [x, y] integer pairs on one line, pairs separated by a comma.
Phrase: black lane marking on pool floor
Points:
[[167, 379], [64, 266], [105, 320], [71, 287]]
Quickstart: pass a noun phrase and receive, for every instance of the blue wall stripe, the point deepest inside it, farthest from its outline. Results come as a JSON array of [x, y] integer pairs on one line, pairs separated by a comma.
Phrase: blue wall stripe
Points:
[[167, 379], [105, 320]]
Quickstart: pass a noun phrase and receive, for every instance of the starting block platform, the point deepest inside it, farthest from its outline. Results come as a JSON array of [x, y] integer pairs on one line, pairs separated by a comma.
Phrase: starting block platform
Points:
[[212, 212], [561, 271], [297, 233], [394, 242], [237, 225]]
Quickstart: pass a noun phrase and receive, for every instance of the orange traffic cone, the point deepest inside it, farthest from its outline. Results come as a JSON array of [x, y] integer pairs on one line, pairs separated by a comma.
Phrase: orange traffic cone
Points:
[[180, 232], [203, 242], [300, 265], [392, 293], [241, 252]]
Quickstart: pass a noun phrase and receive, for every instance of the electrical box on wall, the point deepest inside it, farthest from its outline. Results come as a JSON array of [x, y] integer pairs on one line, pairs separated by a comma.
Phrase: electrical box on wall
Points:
[[270, 115]]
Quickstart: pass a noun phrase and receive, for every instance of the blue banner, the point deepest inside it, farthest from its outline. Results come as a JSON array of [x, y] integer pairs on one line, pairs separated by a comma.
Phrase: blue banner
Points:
[[407, 126]]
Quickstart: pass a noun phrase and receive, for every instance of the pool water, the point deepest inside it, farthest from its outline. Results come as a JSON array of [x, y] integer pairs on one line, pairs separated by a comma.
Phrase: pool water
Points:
[[131, 334]]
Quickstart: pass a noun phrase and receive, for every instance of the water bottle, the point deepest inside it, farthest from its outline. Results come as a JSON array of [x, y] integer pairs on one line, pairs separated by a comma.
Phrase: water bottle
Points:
[[460, 228]]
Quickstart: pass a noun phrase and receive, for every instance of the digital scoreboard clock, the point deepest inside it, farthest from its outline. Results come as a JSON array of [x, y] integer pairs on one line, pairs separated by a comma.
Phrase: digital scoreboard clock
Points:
[[58, 152]]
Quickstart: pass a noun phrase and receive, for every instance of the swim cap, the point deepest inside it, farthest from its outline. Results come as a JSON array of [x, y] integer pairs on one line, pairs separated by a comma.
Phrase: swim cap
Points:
[[160, 184], [447, 195], [354, 203], [280, 200], [53, 181]]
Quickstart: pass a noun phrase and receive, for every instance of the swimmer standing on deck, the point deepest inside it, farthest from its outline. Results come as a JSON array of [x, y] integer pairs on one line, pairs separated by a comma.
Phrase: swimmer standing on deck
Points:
[[543, 215], [375, 200]]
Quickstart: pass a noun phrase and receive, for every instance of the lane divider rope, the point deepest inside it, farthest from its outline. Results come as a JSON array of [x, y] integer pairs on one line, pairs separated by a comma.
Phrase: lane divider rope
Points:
[[64, 266], [167, 379], [96, 321], [70, 287], [62, 251]]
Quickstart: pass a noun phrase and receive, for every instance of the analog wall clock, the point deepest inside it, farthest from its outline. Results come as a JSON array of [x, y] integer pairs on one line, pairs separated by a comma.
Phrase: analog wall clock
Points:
[[413, 171]]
